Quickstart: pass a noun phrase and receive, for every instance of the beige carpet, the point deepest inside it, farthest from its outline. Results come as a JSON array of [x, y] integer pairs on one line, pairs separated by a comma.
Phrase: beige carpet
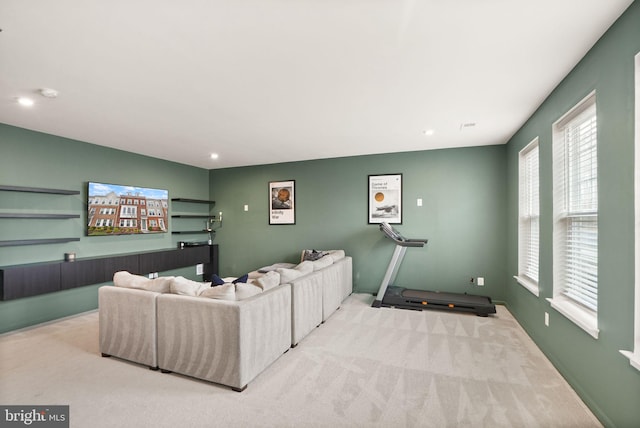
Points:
[[364, 367]]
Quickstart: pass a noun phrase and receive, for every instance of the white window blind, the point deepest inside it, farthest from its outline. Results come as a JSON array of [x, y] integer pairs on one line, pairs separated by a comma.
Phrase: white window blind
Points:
[[634, 355], [576, 206], [529, 217]]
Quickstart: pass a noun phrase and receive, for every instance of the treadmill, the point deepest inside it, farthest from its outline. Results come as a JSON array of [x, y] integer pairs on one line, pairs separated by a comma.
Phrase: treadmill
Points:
[[405, 298]]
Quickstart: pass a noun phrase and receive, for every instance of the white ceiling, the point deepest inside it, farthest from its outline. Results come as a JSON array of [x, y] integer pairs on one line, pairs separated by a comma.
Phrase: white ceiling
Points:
[[266, 81]]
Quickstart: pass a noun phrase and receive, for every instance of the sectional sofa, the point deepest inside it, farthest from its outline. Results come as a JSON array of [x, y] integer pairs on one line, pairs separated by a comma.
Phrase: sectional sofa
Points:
[[227, 334]]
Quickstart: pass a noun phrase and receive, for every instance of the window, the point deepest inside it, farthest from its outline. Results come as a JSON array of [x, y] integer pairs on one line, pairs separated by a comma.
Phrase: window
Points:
[[634, 356], [529, 217], [575, 215]]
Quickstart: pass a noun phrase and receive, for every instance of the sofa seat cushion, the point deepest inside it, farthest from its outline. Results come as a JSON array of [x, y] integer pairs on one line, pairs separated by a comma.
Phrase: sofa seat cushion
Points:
[[128, 280]]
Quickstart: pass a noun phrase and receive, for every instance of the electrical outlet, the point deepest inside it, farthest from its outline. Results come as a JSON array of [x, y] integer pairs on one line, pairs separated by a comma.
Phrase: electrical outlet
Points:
[[246, 207], [419, 202], [199, 269], [546, 319], [480, 281]]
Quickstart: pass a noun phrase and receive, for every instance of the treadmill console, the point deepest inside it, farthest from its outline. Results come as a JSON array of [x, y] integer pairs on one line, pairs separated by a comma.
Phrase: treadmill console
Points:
[[391, 232], [395, 236]]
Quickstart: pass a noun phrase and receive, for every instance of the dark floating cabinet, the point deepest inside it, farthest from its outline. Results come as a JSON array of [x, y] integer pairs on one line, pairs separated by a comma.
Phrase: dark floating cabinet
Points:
[[39, 216], [41, 278], [30, 280]]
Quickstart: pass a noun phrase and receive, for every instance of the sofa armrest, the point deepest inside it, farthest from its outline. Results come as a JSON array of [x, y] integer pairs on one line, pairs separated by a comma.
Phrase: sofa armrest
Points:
[[127, 324], [226, 342]]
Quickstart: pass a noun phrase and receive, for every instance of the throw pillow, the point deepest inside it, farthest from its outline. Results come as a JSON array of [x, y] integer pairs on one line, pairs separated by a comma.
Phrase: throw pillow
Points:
[[216, 280], [243, 279], [312, 255]]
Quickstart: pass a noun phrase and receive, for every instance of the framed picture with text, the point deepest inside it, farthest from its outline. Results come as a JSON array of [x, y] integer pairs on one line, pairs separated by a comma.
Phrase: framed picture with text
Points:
[[385, 199], [282, 208]]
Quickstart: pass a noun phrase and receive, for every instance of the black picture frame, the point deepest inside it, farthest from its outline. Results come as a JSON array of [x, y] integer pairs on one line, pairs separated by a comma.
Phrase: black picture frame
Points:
[[384, 199], [282, 207]]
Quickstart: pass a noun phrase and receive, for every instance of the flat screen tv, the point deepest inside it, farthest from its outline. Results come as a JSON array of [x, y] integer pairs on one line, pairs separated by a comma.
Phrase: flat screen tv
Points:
[[115, 209]]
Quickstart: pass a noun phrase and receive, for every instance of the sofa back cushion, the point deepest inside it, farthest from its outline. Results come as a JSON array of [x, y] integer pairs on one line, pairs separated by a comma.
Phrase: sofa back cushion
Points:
[[322, 263], [288, 275], [221, 292], [187, 287], [128, 280], [267, 281]]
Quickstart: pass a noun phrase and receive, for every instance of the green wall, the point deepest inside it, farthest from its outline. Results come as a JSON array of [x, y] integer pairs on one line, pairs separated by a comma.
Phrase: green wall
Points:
[[594, 367], [469, 215], [463, 216], [39, 160]]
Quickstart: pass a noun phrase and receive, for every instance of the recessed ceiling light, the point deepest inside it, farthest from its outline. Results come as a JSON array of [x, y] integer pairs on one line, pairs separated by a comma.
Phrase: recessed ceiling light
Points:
[[429, 132], [49, 93], [214, 156], [24, 101]]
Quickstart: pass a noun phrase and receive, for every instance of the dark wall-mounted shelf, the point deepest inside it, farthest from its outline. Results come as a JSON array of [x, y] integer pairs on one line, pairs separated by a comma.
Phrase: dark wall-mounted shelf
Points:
[[18, 242], [192, 216], [38, 190], [193, 201], [40, 216]]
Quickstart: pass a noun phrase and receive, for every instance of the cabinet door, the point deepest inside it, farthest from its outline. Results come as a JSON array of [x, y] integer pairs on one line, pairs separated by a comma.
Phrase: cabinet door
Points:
[[25, 281], [174, 259], [130, 263], [82, 272]]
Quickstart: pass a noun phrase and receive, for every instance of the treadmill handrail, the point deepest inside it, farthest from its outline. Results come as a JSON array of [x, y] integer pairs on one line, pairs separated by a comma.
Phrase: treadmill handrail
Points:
[[396, 237]]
